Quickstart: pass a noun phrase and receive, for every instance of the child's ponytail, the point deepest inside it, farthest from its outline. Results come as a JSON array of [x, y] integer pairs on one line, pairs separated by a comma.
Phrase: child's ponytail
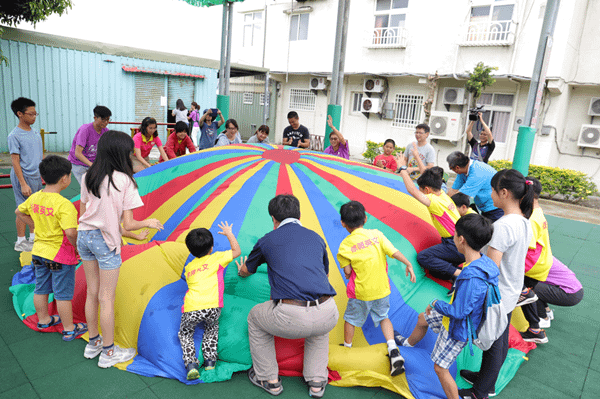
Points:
[[521, 189]]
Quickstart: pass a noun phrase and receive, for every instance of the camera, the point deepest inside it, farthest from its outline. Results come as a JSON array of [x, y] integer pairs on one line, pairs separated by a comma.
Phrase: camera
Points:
[[473, 113]]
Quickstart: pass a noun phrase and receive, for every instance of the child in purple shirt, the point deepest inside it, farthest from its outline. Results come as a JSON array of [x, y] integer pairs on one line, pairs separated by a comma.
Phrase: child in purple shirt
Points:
[[339, 145], [85, 142]]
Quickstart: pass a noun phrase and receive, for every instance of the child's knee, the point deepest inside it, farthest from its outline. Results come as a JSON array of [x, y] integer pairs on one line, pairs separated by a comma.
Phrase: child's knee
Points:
[[421, 322]]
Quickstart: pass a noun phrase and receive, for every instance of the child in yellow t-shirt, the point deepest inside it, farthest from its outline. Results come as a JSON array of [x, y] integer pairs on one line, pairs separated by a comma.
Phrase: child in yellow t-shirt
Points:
[[538, 262], [463, 204], [362, 255], [440, 260], [53, 256], [204, 299]]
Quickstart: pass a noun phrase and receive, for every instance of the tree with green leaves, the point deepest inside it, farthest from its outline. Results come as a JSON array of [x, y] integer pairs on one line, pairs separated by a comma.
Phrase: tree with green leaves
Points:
[[12, 12], [480, 78]]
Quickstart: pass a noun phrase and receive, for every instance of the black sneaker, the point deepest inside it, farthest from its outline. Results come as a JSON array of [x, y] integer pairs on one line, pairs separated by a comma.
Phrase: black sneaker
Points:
[[192, 371], [472, 376], [396, 362], [209, 364], [399, 338], [528, 298], [538, 338]]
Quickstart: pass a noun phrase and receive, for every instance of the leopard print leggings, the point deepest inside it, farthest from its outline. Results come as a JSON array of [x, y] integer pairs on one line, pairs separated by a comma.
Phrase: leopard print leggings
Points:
[[189, 321]]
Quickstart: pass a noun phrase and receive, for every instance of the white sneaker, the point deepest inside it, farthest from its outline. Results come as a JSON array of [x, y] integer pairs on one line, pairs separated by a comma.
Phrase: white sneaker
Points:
[[550, 314], [93, 349], [545, 323], [24, 246], [114, 356]]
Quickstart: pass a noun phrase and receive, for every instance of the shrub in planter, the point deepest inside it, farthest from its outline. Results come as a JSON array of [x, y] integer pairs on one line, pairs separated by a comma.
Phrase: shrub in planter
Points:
[[374, 149], [571, 184]]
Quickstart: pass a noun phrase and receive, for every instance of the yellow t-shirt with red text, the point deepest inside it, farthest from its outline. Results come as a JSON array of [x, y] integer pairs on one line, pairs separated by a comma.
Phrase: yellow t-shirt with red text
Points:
[[52, 214], [366, 251], [205, 282], [444, 214]]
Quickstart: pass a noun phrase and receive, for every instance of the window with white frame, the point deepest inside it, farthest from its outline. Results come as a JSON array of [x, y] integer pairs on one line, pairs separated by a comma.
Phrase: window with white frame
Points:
[[390, 17], [302, 100], [357, 98], [248, 98], [253, 29], [498, 108], [408, 110], [299, 27], [491, 22]]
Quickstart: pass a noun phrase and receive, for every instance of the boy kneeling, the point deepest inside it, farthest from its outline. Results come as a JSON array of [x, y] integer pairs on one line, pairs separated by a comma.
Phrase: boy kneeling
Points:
[[450, 320]]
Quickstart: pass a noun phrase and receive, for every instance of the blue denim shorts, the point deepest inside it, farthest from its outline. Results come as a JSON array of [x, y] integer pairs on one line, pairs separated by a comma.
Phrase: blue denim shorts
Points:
[[357, 311], [60, 282], [91, 246]]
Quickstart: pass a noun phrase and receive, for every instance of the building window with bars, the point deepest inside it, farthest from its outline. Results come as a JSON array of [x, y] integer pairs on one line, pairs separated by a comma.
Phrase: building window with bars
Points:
[[262, 99], [302, 100], [408, 110], [356, 102], [253, 28], [496, 114], [248, 98], [390, 18]]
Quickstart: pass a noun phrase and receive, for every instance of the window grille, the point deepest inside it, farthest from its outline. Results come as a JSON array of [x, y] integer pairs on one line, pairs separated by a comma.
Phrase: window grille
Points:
[[302, 100], [356, 101], [248, 98], [408, 110]]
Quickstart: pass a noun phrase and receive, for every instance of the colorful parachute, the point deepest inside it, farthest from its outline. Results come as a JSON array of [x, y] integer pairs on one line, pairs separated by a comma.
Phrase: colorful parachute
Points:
[[235, 184]]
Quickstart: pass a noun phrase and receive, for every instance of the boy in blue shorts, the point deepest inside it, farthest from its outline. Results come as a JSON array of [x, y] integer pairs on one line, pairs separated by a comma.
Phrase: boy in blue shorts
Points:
[[26, 152], [362, 255], [53, 256], [450, 320]]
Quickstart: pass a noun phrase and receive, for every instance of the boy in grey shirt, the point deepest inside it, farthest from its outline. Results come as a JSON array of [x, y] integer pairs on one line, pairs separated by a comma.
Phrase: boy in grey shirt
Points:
[[419, 155]]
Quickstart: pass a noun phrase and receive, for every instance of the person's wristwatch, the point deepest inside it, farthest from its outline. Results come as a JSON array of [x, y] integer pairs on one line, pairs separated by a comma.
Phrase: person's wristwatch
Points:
[[401, 168]]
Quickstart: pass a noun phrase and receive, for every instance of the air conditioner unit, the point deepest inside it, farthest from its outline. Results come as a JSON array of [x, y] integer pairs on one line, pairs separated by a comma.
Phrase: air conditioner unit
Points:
[[317, 83], [374, 85], [454, 95], [372, 105], [444, 125], [594, 107], [589, 136]]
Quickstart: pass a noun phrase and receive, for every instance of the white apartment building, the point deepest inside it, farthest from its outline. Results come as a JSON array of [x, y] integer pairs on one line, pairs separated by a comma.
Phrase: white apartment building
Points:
[[397, 43]]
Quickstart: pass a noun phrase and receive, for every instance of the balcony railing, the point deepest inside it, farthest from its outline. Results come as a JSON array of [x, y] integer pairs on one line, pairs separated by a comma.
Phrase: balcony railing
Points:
[[491, 33], [387, 38]]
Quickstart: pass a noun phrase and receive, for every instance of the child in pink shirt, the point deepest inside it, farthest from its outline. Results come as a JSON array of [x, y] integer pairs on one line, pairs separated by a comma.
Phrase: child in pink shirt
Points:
[[386, 160], [143, 143], [108, 196]]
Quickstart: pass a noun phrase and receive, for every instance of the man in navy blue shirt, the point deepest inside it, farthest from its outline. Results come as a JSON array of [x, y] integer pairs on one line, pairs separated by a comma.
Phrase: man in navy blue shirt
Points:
[[301, 304]]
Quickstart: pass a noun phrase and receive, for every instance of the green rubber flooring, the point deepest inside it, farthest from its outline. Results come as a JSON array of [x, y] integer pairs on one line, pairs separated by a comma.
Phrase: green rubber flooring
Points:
[[36, 365]]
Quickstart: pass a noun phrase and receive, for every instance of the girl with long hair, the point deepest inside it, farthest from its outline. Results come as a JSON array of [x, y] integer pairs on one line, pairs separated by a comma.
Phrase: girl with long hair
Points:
[[143, 143], [108, 196]]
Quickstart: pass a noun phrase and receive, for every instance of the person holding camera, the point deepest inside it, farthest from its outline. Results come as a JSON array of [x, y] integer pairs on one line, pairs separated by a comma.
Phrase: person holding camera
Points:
[[482, 149], [209, 127]]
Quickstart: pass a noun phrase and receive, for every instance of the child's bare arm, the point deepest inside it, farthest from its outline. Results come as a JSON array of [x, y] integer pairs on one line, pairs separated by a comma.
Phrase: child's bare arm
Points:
[[226, 230], [409, 269], [348, 271], [140, 237], [71, 235]]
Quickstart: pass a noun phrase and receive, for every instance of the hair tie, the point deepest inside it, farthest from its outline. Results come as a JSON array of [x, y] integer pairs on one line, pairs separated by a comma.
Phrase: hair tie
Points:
[[529, 182]]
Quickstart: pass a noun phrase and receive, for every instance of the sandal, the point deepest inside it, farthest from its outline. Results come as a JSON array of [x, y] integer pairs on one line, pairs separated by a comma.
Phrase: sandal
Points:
[[75, 333], [316, 384], [272, 388], [55, 320]]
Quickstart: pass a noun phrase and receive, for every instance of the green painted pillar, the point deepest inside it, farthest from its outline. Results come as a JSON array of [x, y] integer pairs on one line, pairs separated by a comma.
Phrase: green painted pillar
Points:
[[523, 150], [336, 115], [223, 106]]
